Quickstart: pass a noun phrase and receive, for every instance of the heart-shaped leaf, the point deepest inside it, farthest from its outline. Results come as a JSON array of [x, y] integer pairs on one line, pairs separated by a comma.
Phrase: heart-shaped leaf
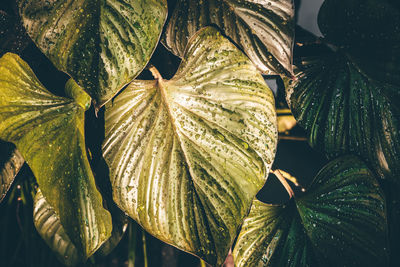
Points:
[[264, 30], [103, 45], [188, 155], [11, 162], [340, 221], [345, 111], [48, 225], [49, 132]]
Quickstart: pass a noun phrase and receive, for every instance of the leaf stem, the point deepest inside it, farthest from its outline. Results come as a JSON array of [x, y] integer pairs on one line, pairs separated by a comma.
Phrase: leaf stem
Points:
[[293, 138], [146, 264], [156, 74], [283, 181]]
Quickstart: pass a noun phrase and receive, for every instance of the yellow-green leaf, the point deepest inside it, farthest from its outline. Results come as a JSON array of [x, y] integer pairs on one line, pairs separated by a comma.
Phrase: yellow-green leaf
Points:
[[188, 155], [49, 132]]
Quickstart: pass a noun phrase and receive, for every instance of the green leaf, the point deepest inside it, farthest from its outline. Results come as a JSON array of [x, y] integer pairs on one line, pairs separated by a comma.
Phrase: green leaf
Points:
[[263, 30], [49, 227], [49, 132], [370, 32], [340, 221], [11, 162], [103, 45], [360, 22], [188, 155], [345, 111]]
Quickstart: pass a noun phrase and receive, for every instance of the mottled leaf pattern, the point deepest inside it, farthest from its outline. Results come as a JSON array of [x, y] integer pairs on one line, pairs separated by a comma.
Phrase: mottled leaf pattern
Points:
[[48, 225], [188, 155], [102, 44], [263, 29], [345, 111], [11, 162], [339, 221], [49, 132]]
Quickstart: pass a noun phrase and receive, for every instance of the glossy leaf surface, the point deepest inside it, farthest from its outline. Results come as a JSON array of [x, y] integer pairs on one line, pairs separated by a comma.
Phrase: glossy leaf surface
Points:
[[188, 155], [49, 227], [339, 221], [49, 132], [11, 162], [264, 30], [103, 45], [345, 111]]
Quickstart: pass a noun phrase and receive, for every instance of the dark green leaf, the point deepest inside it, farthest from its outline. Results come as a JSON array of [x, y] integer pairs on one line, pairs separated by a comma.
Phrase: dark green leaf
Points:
[[360, 22], [188, 155], [103, 45], [264, 30], [49, 132], [345, 111], [11, 162], [340, 221]]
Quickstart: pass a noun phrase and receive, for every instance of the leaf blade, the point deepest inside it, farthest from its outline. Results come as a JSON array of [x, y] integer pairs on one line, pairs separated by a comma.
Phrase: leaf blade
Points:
[[49, 132], [159, 136]]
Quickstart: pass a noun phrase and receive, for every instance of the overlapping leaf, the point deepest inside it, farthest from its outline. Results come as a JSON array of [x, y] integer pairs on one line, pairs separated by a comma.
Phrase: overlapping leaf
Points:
[[188, 155], [49, 132], [340, 221], [345, 111], [264, 30], [48, 225], [103, 45], [11, 162]]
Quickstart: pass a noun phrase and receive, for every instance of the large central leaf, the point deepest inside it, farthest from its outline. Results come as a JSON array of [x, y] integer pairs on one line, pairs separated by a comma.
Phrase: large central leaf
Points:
[[340, 221], [49, 132], [264, 30], [188, 155], [102, 44]]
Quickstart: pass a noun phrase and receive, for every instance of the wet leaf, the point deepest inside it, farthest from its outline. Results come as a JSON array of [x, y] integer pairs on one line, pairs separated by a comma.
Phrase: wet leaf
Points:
[[103, 45], [188, 155], [49, 227], [264, 30], [339, 221], [11, 162], [49, 132], [360, 22], [345, 111]]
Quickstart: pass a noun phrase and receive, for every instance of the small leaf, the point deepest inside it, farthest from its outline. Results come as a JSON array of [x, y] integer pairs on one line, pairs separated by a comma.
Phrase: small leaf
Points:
[[49, 227], [345, 111], [11, 162], [188, 155], [103, 45], [264, 30], [340, 221], [49, 132]]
